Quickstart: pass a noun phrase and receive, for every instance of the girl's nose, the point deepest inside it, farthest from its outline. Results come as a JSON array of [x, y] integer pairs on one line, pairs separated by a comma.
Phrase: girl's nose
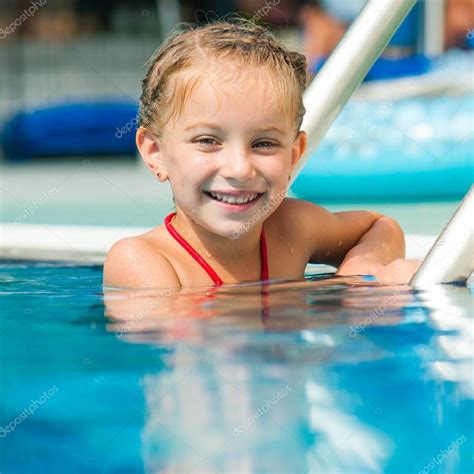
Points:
[[238, 165]]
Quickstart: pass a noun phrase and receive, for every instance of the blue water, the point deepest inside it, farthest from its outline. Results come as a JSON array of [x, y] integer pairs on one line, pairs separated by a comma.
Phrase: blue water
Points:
[[323, 376]]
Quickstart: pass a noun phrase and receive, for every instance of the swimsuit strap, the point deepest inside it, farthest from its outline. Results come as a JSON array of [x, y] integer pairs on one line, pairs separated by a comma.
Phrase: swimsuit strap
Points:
[[215, 277], [263, 257], [190, 250]]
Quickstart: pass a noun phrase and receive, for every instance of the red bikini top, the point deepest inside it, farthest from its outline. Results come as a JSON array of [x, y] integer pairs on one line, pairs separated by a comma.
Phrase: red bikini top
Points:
[[215, 277]]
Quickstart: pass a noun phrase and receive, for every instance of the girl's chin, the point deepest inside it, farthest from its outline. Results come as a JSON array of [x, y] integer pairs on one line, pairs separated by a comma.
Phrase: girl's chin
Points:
[[233, 232], [230, 229]]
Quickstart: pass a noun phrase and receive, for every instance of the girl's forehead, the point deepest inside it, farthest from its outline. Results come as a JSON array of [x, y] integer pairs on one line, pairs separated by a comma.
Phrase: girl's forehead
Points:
[[235, 92], [232, 91], [233, 81]]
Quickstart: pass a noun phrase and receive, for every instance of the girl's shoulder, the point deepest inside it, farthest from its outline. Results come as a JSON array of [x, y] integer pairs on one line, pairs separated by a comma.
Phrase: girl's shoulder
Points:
[[139, 261], [294, 217]]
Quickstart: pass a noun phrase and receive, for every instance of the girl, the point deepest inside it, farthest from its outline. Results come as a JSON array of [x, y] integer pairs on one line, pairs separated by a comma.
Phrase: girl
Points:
[[220, 117]]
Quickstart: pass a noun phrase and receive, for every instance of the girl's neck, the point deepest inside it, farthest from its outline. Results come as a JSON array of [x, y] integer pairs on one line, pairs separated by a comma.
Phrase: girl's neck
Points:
[[214, 245]]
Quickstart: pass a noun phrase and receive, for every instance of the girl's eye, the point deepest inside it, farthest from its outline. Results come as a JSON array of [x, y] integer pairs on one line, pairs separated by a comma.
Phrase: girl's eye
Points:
[[266, 144], [206, 141]]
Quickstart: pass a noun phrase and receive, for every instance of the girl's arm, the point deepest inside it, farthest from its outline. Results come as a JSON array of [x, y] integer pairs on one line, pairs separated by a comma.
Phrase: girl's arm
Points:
[[382, 243], [357, 242]]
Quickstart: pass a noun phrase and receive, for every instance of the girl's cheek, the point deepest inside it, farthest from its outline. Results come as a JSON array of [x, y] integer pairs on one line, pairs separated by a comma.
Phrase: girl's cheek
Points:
[[201, 161]]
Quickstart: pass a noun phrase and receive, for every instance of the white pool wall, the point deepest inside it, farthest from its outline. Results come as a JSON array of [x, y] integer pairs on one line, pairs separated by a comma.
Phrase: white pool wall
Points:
[[90, 244]]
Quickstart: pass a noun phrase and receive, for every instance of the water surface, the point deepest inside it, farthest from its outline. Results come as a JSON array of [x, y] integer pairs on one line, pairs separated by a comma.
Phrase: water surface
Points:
[[322, 376]]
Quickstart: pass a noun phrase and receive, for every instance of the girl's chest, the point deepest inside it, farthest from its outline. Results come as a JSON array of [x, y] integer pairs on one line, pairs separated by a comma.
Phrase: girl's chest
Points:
[[285, 260]]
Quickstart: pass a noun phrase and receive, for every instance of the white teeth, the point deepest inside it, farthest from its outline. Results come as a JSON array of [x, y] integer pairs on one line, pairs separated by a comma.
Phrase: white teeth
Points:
[[233, 199]]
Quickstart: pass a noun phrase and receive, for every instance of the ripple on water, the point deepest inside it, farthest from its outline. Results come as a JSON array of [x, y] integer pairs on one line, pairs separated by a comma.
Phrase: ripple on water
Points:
[[312, 376]]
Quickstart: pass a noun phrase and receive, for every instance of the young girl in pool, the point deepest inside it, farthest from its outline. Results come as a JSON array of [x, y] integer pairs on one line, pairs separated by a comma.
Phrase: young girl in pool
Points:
[[220, 117]]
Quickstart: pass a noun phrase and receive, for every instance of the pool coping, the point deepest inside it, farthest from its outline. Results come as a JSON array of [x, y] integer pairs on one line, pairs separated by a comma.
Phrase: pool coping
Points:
[[90, 244]]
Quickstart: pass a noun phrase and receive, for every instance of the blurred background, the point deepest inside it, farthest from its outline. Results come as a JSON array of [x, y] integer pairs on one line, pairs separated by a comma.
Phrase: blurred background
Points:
[[70, 81]]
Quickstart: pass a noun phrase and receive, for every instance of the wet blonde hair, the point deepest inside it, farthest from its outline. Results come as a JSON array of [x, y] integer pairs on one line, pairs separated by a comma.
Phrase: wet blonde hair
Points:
[[173, 69]]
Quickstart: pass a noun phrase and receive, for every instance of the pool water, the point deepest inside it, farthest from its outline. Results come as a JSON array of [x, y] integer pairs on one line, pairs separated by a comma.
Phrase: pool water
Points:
[[329, 375]]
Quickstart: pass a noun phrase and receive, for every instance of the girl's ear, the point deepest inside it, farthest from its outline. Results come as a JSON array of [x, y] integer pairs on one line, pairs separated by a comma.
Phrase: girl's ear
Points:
[[150, 151], [298, 148]]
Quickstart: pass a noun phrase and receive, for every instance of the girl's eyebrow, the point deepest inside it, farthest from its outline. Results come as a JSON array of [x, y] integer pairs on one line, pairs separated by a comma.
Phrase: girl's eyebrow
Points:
[[216, 127], [272, 129], [202, 125]]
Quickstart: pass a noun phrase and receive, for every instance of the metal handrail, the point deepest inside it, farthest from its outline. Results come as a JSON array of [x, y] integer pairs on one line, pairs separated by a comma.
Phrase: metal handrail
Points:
[[347, 66], [451, 259]]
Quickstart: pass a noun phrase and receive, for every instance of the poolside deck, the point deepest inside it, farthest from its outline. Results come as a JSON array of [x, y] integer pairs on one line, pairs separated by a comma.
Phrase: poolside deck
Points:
[[77, 210]]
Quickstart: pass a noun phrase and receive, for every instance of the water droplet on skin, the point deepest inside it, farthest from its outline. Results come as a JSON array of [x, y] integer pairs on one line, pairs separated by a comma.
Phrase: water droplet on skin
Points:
[[339, 243], [292, 250], [281, 237], [208, 255]]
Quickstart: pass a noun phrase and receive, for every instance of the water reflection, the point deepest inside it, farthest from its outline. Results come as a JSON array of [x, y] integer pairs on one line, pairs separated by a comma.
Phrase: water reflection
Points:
[[283, 305], [327, 375], [324, 376]]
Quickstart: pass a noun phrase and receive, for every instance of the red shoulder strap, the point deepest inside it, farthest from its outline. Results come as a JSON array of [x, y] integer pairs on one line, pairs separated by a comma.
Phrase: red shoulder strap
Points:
[[215, 277], [263, 257]]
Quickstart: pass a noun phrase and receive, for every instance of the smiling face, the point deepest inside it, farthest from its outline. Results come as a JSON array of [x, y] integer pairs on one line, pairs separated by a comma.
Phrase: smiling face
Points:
[[230, 150]]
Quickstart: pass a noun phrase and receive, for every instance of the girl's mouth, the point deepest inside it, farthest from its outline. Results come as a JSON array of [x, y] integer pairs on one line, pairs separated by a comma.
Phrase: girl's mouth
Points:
[[234, 203]]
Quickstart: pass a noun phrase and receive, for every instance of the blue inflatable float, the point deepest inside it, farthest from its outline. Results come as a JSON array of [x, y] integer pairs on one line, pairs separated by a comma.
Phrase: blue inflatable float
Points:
[[417, 148], [79, 128]]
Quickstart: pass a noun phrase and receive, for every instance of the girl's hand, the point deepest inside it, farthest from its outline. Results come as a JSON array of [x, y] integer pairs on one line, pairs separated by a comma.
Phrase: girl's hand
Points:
[[398, 272]]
